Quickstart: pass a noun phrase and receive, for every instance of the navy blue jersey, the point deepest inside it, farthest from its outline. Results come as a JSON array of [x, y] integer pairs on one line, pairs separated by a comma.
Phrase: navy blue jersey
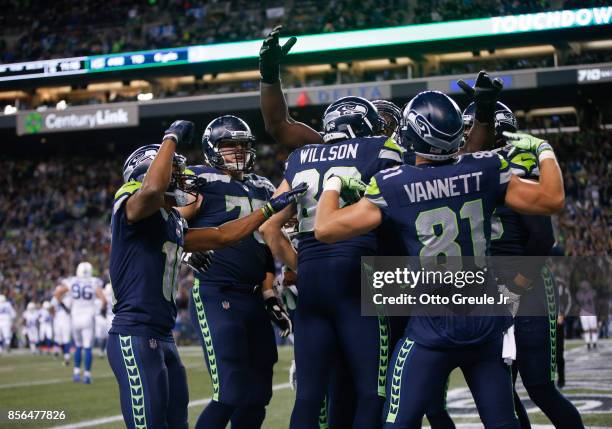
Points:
[[445, 209], [243, 264], [145, 261], [313, 164], [515, 234]]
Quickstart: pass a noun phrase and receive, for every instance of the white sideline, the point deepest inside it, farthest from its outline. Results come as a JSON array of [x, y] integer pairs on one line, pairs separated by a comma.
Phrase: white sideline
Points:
[[119, 417]]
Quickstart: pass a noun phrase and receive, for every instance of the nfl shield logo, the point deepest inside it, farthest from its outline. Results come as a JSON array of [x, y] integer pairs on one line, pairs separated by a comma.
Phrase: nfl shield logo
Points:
[[153, 343], [225, 305]]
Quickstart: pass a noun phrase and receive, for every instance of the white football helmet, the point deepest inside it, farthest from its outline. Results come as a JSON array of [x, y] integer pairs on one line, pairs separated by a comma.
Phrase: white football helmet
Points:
[[2, 299], [46, 305], [31, 306], [84, 269]]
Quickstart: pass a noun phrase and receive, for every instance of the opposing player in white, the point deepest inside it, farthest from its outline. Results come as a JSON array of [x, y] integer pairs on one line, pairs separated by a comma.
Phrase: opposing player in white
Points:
[[101, 326], [83, 288], [45, 327], [30, 320], [62, 325], [7, 315]]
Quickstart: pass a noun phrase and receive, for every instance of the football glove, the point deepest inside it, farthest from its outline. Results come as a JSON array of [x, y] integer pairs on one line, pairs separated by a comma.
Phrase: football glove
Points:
[[352, 189], [272, 54], [484, 93], [529, 143], [278, 315], [199, 262], [276, 204], [181, 132]]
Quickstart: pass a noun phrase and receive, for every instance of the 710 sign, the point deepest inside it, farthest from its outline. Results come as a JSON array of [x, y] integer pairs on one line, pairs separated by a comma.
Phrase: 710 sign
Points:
[[594, 75]]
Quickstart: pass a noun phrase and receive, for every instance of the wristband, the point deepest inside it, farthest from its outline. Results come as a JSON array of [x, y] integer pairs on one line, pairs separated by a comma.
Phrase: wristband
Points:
[[547, 154], [333, 184], [267, 211], [171, 136]]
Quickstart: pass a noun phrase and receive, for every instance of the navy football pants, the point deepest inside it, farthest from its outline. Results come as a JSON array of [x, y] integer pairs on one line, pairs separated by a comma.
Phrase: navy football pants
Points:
[[152, 382], [536, 362], [240, 352], [328, 321], [418, 377]]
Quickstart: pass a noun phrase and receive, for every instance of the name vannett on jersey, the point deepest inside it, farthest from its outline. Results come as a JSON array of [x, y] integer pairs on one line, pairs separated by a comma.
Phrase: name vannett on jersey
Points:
[[443, 188], [322, 153]]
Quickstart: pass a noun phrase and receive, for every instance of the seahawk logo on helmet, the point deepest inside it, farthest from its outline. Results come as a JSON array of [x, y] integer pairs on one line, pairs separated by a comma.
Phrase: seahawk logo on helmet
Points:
[[350, 117], [504, 120], [226, 137], [432, 126]]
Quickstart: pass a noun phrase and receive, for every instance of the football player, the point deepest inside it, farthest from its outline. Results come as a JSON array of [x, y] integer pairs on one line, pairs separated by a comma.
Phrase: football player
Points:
[[101, 331], [328, 315], [514, 234], [148, 239], [7, 315], [30, 321], [84, 288], [233, 300], [45, 324], [434, 346], [62, 325]]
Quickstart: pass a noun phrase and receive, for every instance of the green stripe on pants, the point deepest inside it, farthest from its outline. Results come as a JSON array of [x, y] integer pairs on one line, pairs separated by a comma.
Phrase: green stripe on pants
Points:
[[549, 287], [136, 389], [383, 357], [207, 339], [396, 382]]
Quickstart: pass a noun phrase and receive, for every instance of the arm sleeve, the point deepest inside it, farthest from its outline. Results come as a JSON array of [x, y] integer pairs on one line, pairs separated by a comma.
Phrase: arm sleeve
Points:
[[270, 265]]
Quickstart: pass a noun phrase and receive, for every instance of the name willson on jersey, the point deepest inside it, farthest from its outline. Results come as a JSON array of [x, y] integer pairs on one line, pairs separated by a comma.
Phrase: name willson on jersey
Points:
[[316, 154]]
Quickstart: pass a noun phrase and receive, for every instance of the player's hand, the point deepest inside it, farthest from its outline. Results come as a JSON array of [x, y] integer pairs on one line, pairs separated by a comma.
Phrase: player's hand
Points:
[[484, 93], [181, 132], [293, 375], [278, 315], [352, 189], [271, 55], [199, 262], [527, 142], [276, 204]]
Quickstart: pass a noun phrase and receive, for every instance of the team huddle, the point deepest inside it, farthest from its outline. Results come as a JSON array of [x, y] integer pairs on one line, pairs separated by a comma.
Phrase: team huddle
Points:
[[351, 190]]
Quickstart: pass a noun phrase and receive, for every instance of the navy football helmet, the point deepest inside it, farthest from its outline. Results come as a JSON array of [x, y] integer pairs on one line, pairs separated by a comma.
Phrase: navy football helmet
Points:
[[350, 117], [391, 116], [182, 184], [229, 136], [432, 126], [505, 120]]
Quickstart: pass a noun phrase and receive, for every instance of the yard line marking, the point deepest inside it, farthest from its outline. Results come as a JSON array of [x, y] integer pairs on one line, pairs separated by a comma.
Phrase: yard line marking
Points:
[[119, 417]]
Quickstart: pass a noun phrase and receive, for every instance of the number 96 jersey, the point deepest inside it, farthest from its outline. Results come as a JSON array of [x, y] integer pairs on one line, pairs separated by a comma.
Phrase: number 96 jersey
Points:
[[145, 261]]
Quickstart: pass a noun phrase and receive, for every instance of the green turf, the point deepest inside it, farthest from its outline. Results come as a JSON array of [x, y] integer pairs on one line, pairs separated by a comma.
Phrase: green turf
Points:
[[85, 402]]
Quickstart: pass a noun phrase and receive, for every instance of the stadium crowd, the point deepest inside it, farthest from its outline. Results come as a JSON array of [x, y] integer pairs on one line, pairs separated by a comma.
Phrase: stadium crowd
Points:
[[55, 212], [67, 27]]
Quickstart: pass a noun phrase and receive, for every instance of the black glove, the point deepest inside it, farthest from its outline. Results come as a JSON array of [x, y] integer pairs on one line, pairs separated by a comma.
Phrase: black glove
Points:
[[278, 315], [485, 94], [272, 54], [276, 204], [181, 132], [199, 262]]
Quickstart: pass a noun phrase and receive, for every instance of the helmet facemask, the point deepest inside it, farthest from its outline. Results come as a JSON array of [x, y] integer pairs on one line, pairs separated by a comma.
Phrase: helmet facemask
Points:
[[238, 155], [183, 187]]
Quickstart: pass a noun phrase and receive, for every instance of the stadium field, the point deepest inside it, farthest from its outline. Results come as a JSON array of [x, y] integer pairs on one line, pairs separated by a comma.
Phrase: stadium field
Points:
[[42, 383]]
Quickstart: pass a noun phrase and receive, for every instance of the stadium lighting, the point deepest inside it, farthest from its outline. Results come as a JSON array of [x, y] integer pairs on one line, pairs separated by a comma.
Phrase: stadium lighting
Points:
[[61, 105], [145, 96], [10, 109]]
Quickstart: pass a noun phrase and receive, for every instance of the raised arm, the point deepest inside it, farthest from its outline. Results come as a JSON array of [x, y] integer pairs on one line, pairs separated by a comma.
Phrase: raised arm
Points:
[[274, 109], [150, 197], [484, 93], [545, 197], [202, 239]]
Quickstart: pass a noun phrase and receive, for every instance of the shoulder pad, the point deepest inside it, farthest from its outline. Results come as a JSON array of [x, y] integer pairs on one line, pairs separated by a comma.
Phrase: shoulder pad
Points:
[[128, 188], [261, 182]]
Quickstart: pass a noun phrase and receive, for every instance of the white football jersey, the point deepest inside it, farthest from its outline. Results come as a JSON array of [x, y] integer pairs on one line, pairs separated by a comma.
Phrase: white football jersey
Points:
[[31, 319], [44, 317], [7, 313], [82, 291], [60, 311]]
